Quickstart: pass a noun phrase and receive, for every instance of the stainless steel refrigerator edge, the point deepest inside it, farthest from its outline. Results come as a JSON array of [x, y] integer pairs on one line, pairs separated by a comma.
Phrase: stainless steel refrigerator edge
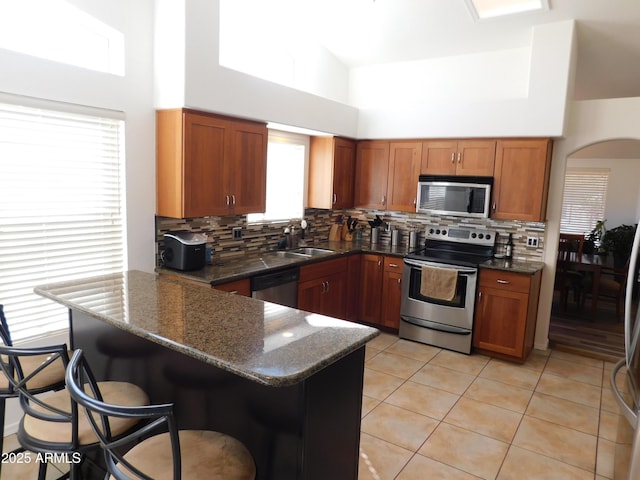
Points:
[[627, 460]]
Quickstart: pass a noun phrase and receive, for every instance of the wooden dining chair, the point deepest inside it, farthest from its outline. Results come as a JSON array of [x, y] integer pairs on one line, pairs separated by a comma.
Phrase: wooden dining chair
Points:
[[570, 249], [611, 287]]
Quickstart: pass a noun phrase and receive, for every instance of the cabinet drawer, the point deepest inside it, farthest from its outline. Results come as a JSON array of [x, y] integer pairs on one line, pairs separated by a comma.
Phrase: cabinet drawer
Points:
[[393, 264], [499, 279], [322, 269]]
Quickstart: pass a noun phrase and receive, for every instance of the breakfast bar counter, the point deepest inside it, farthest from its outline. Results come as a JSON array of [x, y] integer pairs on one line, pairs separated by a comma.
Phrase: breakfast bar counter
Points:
[[285, 382]]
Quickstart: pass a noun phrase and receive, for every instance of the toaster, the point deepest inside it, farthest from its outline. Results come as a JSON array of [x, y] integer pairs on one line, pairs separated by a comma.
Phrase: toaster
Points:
[[184, 250]]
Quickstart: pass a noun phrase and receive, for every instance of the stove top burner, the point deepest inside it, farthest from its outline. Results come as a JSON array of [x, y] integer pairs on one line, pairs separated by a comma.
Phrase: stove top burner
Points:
[[456, 246], [450, 258]]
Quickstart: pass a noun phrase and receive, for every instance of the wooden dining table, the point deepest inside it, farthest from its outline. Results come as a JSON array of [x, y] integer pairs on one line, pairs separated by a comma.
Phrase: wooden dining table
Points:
[[590, 263]]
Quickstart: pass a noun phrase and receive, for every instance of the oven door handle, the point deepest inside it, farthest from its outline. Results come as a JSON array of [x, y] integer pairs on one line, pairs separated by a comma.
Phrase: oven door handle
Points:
[[436, 326], [462, 271]]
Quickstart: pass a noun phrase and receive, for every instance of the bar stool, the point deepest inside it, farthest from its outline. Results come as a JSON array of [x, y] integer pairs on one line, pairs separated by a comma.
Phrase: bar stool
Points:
[[188, 454], [51, 424], [49, 378]]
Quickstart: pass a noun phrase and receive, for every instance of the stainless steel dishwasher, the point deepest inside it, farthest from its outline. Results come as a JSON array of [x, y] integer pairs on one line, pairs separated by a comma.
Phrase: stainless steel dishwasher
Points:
[[277, 287]]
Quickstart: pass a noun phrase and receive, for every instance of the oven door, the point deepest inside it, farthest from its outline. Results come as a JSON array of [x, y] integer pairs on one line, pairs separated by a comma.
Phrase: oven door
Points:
[[456, 313]]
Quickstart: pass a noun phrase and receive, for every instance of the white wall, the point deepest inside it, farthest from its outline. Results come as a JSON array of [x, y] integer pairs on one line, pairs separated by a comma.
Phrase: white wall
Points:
[[131, 94], [589, 122], [538, 111], [520, 93]]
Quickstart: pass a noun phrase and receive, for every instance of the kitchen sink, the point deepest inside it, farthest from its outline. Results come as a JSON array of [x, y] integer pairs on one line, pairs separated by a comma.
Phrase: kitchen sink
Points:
[[287, 254], [312, 252]]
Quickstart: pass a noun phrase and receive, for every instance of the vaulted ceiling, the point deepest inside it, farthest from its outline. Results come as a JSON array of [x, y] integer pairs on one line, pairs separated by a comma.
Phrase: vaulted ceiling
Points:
[[365, 32]]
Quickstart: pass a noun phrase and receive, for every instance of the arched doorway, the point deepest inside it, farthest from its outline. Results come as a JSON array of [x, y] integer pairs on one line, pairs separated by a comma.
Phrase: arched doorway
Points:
[[590, 122], [579, 323]]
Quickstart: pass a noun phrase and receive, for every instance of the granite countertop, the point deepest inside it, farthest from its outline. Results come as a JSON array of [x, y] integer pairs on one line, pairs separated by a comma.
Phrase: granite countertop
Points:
[[515, 266], [246, 264], [264, 342]]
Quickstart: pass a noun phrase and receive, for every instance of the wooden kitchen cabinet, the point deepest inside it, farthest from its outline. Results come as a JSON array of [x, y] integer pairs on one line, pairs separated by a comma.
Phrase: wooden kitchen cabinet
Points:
[[372, 174], [371, 288], [404, 170], [391, 292], [332, 163], [354, 272], [380, 292], [387, 175], [505, 316], [322, 288], [209, 164], [462, 157], [521, 179], [239, 287]]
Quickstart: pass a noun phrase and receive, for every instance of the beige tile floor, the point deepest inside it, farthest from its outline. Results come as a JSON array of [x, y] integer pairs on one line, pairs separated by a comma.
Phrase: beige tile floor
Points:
[[429, 413], [25, 467], [432, 413]]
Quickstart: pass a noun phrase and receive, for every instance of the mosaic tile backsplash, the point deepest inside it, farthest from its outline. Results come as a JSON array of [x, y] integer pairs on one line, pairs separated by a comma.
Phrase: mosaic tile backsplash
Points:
[[265, 236]]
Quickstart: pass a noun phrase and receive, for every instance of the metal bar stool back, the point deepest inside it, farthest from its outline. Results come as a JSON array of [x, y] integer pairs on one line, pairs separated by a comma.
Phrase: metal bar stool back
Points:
[[158, 448]]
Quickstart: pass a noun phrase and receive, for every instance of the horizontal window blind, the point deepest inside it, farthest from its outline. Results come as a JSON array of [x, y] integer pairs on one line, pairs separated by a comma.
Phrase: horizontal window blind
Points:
[[61, 208], [584, 199]]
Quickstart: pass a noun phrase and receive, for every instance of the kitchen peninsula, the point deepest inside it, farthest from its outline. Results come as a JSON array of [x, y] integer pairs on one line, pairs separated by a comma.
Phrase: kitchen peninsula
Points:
[[285, 382]]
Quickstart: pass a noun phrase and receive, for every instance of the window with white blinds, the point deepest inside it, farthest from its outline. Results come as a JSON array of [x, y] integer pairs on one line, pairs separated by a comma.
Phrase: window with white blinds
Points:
[[584, 199], [61, 208]]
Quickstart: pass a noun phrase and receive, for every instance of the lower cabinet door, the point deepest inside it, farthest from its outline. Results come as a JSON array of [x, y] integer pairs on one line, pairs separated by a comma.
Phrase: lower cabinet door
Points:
[[391, 298], [500, 321]]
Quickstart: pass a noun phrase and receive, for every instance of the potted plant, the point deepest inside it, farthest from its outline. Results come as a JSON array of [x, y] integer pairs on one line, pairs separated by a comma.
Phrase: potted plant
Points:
[[619, 241], [593, 241]]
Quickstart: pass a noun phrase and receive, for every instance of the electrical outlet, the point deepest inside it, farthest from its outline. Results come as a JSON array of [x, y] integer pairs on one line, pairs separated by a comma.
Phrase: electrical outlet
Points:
[[237, 233], [532, 242]]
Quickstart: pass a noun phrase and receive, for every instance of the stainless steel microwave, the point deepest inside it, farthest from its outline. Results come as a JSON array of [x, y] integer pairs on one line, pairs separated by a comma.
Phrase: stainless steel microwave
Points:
[[454, 195]]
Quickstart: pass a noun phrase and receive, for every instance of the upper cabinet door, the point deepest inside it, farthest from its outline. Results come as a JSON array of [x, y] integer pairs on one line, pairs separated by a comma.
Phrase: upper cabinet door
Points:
[[332, 163], [344, 171], [521, 179], [404, 170], [205, 147], [464, 157], [372, 173], [438, 158], [247, 168], [476, 158]]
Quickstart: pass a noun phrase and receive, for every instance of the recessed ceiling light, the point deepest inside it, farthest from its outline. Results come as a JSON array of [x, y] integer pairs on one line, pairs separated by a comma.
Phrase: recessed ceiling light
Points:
[[481, 9]]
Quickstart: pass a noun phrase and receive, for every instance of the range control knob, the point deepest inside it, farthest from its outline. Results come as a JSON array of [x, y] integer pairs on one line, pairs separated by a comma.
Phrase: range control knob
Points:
[[444, 232], [438, 231], [431, 231], [481, 236], [488, 236], [474, 235]]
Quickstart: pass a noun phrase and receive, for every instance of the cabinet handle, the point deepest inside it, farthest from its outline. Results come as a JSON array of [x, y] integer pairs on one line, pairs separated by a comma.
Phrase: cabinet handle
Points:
[[453, 157], [384, 199], [324, 288], [503, 282], [335, 199], [493, 207], [327, 287], [233, 198], [415, 201], [399, 282], [393, 265], [479, 296], [379, 263], [459, 157], [228, 200], [233, 292]]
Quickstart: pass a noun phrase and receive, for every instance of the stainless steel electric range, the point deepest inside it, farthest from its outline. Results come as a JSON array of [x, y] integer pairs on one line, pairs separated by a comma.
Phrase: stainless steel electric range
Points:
[[445, 322]]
